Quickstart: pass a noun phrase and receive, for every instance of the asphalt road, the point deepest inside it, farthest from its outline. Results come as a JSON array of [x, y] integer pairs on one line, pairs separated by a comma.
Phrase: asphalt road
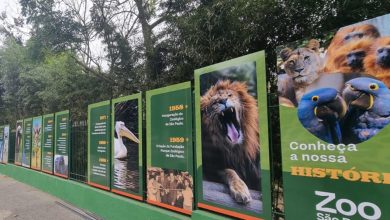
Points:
[[20, 201]]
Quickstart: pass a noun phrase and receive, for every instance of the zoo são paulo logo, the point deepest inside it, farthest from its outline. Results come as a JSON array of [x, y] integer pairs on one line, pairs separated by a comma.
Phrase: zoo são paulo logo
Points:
[[346, 207]]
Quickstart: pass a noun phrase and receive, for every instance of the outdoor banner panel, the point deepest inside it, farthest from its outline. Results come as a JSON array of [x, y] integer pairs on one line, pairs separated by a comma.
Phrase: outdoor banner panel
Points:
[[233, 174], [99, 145], [4, 147], [126, 141], [334, 110], [36, 154], [26, 153], [170, 147], [61, 144], [48, 143], [18, 142], [1, 143]]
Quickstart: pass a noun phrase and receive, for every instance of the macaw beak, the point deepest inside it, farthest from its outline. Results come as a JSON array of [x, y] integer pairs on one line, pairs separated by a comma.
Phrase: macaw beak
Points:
[[358, 98], [124, 132], [335, 109]]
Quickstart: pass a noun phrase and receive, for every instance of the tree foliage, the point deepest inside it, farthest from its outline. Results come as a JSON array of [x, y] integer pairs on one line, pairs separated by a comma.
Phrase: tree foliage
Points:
[[144, 44]]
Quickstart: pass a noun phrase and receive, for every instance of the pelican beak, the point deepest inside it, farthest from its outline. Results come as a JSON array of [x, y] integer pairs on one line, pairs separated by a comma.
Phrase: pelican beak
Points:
[[124, 132]]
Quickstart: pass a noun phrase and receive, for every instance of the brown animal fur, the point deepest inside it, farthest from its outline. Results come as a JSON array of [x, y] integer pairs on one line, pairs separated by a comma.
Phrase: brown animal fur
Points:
[[314, 45], [370, 62], [303, 67], [247, 109], [235, 163], [338, 62], [367, 31]]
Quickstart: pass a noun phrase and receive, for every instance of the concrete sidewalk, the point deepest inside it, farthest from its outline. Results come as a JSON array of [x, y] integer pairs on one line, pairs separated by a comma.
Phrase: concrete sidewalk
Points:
[[20, 201]]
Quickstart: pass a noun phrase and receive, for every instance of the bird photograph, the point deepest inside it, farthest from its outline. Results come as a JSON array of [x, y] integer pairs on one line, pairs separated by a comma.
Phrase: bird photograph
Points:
[[126, 146], [348, 101], [321, 111], [18, 142], [121, 131], [368, 102], [353, 116]]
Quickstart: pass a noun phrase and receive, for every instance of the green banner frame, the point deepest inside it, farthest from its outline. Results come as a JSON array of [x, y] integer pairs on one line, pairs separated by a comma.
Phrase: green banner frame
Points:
[[5, 148], [36, 150], [26, 154], [99, 117], [1, 143], [258, 59], [18, 142], [162, 105], [339, 170], [48, 143], [62, 144], [117, 187]]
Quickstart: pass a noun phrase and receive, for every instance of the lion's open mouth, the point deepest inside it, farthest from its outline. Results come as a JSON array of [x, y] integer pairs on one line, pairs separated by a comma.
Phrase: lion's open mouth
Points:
[[231, 126]]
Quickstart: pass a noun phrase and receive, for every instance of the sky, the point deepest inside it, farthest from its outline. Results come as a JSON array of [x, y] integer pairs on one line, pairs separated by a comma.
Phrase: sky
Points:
[[13, 10]]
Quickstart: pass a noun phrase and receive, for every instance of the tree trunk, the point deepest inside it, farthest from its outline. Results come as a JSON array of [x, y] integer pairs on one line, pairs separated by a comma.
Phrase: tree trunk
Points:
[[150, 52]]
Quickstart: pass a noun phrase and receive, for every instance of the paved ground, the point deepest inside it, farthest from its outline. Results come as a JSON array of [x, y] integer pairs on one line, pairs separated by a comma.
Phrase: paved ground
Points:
[[20, 201]]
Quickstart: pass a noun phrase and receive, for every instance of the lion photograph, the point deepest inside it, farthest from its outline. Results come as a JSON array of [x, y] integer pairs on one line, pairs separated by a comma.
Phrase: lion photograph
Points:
[[230, 137]]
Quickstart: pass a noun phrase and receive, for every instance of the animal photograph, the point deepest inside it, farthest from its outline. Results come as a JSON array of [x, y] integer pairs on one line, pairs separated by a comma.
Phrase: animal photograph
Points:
[[5, 146], [1, 144], [339, 82], [18, 142], [26, 152], [61, 165], [126, 146], [230, 137], [36, 143]]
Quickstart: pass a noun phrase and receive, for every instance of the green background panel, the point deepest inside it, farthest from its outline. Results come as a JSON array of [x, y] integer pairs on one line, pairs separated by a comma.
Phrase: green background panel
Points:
[[48, 143], [372, 155], [158, 103], [26, 154], [99, 144], [62, 141], [301, 200]]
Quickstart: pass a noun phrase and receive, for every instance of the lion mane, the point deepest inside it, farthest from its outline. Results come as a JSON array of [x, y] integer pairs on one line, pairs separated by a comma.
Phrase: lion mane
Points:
[[230, 134]]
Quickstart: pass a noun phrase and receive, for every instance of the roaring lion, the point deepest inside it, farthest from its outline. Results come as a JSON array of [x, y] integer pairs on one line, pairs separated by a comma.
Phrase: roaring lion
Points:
[[303, 67], [230, 138]]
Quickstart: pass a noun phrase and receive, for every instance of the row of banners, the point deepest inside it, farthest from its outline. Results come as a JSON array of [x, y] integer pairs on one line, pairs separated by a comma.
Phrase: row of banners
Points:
[[115, 144], [42, 143], [210, 148]]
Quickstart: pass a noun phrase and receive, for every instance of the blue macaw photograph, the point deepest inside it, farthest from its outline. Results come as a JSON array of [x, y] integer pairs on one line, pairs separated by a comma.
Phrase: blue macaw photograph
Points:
[[339, 82], [356, 115]]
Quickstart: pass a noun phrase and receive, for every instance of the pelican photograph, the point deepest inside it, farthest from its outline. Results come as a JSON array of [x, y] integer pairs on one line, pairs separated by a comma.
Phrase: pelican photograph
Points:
[[18, 142], [126, 147]]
